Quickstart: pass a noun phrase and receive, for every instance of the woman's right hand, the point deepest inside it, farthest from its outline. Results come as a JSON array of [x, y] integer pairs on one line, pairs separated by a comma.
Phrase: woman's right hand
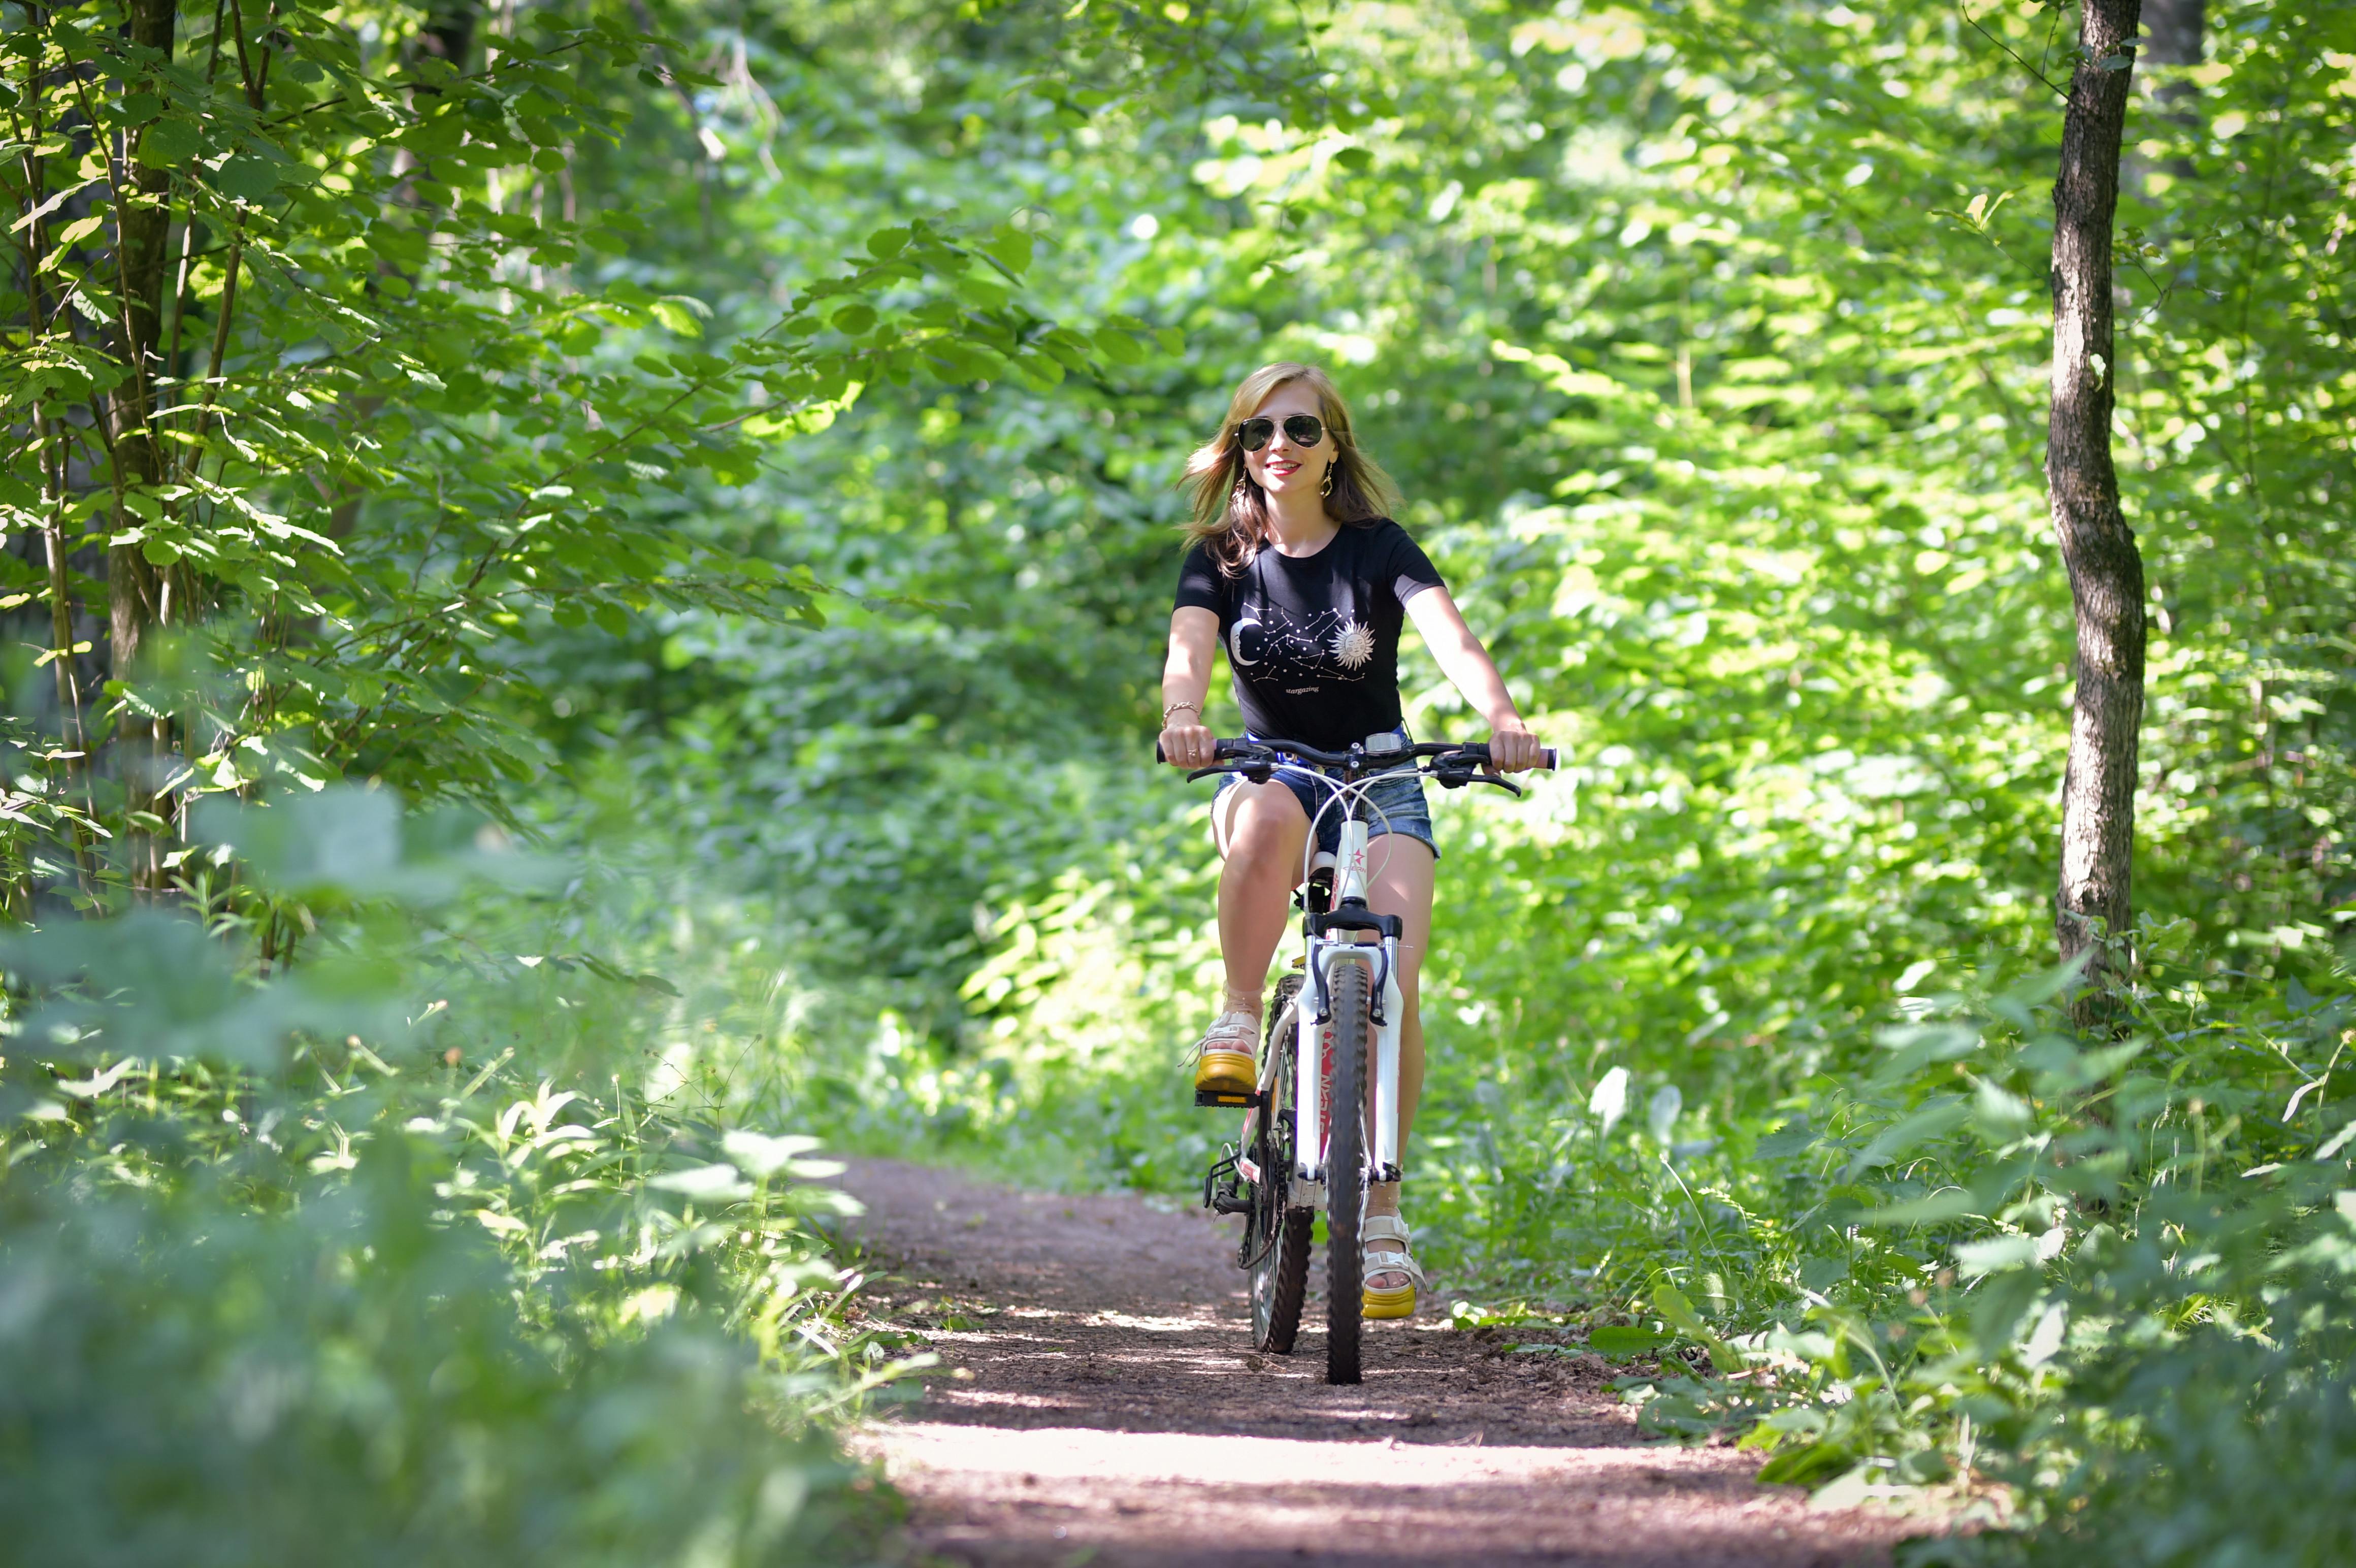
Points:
[[1188, 745]]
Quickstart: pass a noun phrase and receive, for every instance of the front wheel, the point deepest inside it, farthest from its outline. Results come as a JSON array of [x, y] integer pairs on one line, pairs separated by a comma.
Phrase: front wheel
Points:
[[1345, 1182], [1278, 1245]]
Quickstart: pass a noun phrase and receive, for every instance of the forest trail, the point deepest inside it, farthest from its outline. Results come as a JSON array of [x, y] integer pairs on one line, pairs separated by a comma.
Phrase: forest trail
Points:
[[1099, 1404]]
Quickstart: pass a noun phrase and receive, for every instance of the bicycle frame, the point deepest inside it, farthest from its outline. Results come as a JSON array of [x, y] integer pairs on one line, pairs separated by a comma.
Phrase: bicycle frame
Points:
[[1326, 947]]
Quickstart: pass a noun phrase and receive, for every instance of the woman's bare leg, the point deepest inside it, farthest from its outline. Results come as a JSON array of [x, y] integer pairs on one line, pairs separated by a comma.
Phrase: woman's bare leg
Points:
[[1260, 831], [1404, 873]]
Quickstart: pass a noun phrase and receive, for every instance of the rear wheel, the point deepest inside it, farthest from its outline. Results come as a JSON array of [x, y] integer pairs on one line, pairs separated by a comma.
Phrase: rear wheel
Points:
[[1277, 1247], [1345, 1184]]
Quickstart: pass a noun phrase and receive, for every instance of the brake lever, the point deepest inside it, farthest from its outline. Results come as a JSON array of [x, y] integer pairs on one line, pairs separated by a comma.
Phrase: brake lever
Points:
[[1505, 784], [1455, 769]]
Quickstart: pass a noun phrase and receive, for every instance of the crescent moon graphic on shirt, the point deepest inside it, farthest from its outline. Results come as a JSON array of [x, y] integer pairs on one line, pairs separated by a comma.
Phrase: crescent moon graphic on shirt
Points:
[[1236, 644]]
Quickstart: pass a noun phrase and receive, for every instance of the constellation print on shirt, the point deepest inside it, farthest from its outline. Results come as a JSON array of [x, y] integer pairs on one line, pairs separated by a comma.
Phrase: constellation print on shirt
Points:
[[1331, 645]]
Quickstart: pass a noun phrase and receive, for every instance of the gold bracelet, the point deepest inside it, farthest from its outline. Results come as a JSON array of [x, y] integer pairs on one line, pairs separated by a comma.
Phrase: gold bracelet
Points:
[[1170, 708]]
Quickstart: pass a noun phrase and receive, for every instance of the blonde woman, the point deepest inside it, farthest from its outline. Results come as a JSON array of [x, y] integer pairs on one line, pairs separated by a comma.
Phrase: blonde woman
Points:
[[1298, 571]]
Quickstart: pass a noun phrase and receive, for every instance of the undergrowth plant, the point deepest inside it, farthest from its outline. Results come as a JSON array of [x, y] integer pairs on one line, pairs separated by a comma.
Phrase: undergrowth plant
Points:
[[424, 1253]]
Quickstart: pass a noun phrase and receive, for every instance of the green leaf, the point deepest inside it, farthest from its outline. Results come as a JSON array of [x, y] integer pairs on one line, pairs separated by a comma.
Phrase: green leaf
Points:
[[169, 144], [680, 314], [1806, 1465], [81, 229], [1797, 1138], [964, 361], [246, 178], [1011, 248], [1954, 1203], [1620, 1343], [1996, 1255], [710, 1184]]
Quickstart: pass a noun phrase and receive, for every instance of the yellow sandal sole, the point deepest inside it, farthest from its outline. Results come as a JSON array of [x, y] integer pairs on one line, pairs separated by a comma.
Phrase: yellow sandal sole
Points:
[[1226, 1073]]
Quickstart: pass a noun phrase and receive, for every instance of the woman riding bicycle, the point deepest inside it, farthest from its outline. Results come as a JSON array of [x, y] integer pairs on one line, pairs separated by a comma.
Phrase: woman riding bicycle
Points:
[[1298, 571]]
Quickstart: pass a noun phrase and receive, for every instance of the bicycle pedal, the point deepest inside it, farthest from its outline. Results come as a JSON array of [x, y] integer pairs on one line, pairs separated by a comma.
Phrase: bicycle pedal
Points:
[[1220, 1098]]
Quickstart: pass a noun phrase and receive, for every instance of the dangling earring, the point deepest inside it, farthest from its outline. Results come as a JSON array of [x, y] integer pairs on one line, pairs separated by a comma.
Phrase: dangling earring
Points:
[[1327, 487]]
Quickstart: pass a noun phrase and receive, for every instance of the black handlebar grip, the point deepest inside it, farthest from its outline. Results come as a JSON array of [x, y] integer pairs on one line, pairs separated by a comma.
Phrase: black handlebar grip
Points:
[[1481, 749]]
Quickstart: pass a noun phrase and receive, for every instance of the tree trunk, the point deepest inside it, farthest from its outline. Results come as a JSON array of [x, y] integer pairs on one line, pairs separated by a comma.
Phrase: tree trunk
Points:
[[136, 598], [143, 227], [2105, 568]]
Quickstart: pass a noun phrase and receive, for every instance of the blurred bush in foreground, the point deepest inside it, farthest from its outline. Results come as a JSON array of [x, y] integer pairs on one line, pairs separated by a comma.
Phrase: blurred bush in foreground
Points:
[[392, 1260]]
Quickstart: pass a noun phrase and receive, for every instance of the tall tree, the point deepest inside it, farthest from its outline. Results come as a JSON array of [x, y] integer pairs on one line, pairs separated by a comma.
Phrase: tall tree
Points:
[[135, 589], [2106, 580]]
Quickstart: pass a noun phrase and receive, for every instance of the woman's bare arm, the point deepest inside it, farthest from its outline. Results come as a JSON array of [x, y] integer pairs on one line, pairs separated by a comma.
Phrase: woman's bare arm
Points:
[[1471, 671], [1186, 679]]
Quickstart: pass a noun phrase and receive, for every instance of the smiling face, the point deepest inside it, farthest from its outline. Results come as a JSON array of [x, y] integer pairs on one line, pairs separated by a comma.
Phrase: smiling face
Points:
[[1284, 464]]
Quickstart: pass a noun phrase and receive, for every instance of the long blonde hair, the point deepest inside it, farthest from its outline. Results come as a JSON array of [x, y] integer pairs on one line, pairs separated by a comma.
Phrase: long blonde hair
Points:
[[1230, 511]]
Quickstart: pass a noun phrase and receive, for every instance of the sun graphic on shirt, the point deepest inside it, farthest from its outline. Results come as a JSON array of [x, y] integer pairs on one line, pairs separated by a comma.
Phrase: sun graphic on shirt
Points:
[[1353, 644]]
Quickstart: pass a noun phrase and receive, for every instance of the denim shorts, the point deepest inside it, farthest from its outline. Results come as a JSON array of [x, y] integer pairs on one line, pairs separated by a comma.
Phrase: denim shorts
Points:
[[1392, 806]]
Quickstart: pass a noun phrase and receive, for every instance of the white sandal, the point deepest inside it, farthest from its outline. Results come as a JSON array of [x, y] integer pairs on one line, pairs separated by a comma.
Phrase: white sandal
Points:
[[1398, 1301], [1227, 1059]]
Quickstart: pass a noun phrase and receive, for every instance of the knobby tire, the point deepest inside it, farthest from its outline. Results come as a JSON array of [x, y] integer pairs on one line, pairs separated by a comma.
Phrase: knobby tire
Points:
[[1345, 1187], [1280, 1266]]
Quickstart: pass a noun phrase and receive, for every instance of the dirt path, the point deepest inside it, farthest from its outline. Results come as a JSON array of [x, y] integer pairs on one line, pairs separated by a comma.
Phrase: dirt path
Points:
[[1102, 1406]]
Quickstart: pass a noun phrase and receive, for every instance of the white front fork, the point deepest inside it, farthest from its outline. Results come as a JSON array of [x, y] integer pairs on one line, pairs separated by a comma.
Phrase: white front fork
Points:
[[1314, 1056]]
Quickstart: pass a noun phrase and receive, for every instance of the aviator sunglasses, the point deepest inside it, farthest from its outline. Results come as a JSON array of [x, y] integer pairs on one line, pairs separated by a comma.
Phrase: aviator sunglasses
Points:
[[1301, 429]]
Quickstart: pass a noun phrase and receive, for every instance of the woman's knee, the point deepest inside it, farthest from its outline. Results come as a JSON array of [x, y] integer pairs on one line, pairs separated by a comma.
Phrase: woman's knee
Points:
[[1266, 827], [1263, 861]]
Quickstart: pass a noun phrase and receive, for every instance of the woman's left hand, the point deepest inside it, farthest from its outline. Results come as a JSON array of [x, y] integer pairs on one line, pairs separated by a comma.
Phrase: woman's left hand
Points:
[[1512, 750]]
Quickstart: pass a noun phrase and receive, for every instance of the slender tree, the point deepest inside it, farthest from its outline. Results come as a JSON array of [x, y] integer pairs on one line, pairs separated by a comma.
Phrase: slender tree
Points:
[[2106, 582], [136, 593]]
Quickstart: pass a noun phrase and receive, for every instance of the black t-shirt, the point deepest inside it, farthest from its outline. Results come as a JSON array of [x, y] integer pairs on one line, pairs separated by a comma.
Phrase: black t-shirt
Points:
[[1313, 641]]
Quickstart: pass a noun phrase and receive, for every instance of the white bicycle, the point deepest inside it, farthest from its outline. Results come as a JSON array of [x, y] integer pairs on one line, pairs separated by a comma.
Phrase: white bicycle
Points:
[[1306, 1146]]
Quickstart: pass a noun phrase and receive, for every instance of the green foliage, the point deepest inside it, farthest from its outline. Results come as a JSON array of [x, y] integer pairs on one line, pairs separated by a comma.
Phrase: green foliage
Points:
[[190, 1381], [1709, 342], [438, 404], [750, 436], [453, 1289]]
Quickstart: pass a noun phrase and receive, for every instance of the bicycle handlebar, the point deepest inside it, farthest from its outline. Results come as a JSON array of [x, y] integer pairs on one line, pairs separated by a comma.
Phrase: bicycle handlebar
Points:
[[1471, 751]]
